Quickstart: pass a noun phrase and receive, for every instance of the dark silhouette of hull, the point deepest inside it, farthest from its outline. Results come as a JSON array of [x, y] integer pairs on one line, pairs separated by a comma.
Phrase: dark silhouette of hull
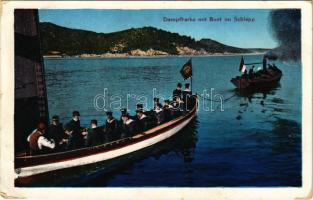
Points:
[[260, 80]]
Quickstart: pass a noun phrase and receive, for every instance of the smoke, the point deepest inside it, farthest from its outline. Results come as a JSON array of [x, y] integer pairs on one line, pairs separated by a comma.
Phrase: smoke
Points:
[[286, 29]]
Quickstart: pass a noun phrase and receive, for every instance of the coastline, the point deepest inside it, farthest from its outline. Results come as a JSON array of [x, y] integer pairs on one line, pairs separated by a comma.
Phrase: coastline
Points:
[[93, 56]]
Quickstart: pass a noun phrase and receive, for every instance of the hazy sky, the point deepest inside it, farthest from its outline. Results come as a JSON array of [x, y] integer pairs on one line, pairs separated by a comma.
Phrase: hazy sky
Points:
[[240, 34]]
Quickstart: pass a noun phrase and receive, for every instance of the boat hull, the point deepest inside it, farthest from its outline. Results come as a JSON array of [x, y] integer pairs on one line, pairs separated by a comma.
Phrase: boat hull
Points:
[[257, 83]]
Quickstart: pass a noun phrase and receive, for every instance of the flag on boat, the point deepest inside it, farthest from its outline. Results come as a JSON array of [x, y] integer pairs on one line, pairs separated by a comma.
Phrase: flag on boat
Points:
[[242, 66], [186, 70]]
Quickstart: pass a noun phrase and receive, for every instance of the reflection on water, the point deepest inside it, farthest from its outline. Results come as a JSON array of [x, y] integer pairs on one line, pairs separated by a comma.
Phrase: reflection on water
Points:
[[267, 100]]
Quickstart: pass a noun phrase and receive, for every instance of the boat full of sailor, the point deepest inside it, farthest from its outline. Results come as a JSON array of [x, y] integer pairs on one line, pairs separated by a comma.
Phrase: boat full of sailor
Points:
[[156, 125]]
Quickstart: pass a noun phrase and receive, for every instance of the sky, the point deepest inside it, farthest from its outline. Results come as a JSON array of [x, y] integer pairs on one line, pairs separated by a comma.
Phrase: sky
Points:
[[255, 34]]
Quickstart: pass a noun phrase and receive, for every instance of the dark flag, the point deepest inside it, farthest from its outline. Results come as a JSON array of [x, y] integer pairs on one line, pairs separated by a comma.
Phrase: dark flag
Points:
[[242, 66], [186, 70]]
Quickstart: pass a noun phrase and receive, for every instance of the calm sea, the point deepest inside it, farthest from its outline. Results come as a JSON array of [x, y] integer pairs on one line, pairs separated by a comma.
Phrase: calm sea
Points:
[[250, 140]]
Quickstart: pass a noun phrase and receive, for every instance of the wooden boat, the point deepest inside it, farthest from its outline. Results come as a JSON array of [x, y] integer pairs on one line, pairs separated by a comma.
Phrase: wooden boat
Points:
[[260, 80], [30, 167]]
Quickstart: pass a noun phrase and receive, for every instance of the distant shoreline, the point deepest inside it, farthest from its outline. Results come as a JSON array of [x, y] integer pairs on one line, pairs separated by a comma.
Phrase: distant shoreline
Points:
[[144, 56]]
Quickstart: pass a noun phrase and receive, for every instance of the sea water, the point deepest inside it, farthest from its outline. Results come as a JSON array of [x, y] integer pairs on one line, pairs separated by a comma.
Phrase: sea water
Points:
[[249, 140]]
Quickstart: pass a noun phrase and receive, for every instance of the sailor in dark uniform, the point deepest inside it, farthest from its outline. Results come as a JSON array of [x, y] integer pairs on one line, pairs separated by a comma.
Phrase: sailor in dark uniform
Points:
[[95, 134], [111, 128], [176, 109], [123, 111], [143, 121], [56, 132], [155, 102], [74, 130], [251, 73], [167, 111], [138, 107], [178, 91], [128, 127], [245, 74], [264, 64], [186, 96], [158, 113]]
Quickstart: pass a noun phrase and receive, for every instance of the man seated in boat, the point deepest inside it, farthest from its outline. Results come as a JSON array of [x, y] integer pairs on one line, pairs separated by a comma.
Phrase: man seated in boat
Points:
[[186, 97], [128, 126], [123, 111], [178, 91], [95, 135], [138, 107], [143, 121], [111, 128], [155, 102], [38, 143], [158, 113], [75, 132], [177, 106], [56, 132], [167, 111]]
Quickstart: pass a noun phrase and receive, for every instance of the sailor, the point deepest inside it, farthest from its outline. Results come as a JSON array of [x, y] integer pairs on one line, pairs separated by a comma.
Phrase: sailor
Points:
[[74, 131], [158, 113], [111, 128], [128, 127], [56, 132], [251, 73], [123, 111], [264, 63], [138, 107], [178, 91], [155, 102], [142, 121], [167, 110], [95, 134], [176, 110], [38, 143], [245, 74], [186, 96]]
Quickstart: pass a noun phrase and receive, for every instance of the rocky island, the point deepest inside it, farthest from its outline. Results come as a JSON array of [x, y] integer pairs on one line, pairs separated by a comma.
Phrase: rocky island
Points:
[[58, 41]]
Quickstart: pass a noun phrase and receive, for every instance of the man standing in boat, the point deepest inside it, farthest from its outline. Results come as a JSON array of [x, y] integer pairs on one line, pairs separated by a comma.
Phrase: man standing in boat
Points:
[[186, 96], [74, 130], [38, 143], [178, 91], [111, 128]]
